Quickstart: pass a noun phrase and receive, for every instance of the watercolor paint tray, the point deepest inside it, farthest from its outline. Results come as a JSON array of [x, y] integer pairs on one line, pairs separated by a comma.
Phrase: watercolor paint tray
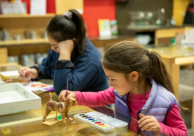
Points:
[[15, 98], [101, 121]]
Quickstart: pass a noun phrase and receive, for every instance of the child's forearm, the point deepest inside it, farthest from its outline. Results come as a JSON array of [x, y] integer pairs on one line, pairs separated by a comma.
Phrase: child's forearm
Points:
[[174, 123], [172, 131], [92, 99]]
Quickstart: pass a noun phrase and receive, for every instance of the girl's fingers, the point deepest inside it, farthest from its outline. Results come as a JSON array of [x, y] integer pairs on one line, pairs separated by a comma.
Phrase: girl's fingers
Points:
[[144, 118], [62, 96], [141, 115], [145, 122], [21, 73], [153, 128], [147, 126]]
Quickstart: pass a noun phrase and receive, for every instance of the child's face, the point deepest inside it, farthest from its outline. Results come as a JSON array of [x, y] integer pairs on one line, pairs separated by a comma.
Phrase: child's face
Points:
[[119, 81], [54, 44]]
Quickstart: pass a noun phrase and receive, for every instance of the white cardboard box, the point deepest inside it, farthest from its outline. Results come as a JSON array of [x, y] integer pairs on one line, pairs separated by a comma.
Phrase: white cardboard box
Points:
[[14, 98]]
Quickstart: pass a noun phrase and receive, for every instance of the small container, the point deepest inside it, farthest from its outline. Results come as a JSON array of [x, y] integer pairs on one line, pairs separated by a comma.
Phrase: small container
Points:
[[17, 37], [34, 35]]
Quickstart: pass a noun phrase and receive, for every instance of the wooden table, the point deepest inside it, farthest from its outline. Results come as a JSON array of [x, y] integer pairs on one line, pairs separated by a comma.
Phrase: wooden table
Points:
[[173, 58], [29, 123]]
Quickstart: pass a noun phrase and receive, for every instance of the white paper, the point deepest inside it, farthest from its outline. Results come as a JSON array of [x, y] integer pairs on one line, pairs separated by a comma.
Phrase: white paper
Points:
[[6, 8], [38, 7], [10, 73], [18, 7], [6, 100], [30, 88], [104, 28]]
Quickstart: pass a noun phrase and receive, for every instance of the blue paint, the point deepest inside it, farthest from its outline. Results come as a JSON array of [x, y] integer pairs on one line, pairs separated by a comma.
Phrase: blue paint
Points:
[[91, 119]]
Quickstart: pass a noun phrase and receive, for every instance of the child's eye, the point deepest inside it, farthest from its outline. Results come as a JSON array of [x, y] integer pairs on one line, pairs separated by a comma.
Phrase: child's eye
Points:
[[112, 79]]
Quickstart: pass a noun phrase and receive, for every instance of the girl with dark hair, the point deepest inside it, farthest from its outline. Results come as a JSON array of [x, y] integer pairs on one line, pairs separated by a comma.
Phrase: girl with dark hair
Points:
[[71, 56], [141, 90]]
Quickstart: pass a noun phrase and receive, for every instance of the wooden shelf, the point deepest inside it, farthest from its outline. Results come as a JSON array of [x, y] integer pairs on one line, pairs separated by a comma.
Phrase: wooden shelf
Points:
[[94, 40], [25, 16], [97, 41], [22, 42]]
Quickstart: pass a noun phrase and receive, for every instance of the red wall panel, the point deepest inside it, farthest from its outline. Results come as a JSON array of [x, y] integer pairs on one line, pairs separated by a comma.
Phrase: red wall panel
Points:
[[93, 10], [98, 9]]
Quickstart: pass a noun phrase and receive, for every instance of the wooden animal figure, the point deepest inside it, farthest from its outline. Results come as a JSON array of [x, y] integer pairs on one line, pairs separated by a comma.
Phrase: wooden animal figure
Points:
[[61, 107]]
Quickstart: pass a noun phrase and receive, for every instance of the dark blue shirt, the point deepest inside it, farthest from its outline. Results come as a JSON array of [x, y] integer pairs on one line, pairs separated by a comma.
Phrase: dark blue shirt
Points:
[[85, 72]]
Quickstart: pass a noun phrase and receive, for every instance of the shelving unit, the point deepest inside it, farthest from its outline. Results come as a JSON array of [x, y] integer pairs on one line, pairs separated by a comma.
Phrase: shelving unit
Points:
[[18, 24], [24, 42], [25, 16]]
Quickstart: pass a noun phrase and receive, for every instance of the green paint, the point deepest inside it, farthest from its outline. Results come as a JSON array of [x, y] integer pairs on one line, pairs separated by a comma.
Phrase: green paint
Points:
[[59, 117]]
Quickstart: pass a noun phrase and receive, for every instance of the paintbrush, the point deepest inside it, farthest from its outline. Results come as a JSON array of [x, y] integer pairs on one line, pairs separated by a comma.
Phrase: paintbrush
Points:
[[23, 73], [67, 86], [137, 121]]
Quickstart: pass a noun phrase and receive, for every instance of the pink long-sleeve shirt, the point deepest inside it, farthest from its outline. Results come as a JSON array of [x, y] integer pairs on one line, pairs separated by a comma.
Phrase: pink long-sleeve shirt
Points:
[[174, 123]]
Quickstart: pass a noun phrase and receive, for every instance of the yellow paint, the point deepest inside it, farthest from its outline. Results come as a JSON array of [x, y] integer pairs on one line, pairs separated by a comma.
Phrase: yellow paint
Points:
[[179, 9], [105, 126], [6, 131]]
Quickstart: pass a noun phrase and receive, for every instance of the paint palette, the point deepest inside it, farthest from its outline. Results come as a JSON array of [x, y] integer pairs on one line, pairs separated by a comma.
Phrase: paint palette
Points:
[[101, 121]]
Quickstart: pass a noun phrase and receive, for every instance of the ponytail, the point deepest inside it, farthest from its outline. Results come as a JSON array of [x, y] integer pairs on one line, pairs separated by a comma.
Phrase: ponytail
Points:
[[66, 27], [125, 57], [80, 29], [160, 74]]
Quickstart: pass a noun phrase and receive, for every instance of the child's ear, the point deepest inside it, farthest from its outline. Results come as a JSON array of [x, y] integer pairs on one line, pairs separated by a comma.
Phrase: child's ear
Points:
[[134, 76]]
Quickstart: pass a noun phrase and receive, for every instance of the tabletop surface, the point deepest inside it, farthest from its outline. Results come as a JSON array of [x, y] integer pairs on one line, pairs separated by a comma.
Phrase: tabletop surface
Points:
[[172, 52], [29, 123]]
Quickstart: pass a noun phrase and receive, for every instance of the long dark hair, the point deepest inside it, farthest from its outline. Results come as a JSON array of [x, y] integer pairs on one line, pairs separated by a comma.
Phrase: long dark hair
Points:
[[125, 57], [62, 28]]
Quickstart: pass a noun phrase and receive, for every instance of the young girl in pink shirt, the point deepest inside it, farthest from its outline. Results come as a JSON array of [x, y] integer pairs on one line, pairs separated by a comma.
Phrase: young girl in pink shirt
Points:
[[140, 88]]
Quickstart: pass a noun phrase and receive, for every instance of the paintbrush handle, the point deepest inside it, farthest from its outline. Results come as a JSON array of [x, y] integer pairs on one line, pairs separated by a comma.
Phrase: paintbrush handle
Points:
[[67, 86]]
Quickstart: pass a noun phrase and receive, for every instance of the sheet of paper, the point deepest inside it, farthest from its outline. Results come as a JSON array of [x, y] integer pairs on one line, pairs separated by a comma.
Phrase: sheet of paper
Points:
[[36, 86], [6, 100], [38, 7], [104, 27], [10, 73]]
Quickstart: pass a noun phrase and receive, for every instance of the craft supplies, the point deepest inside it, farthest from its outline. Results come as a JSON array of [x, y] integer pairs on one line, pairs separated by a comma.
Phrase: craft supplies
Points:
[[101, 121], [15, 98], [36, 86]]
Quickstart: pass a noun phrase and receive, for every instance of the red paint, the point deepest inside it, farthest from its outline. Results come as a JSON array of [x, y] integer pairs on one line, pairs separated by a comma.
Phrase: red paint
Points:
[[38, 85], [97, 122]]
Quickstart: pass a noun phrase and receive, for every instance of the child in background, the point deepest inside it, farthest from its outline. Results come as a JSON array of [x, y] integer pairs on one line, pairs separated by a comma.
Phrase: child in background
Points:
[[71, 56], [141, 90]]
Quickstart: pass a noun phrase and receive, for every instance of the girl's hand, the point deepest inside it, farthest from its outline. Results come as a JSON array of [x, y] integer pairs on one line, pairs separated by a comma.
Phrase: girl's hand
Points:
[[66, 47], [149, 123], [31, 73], [62, 95]]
